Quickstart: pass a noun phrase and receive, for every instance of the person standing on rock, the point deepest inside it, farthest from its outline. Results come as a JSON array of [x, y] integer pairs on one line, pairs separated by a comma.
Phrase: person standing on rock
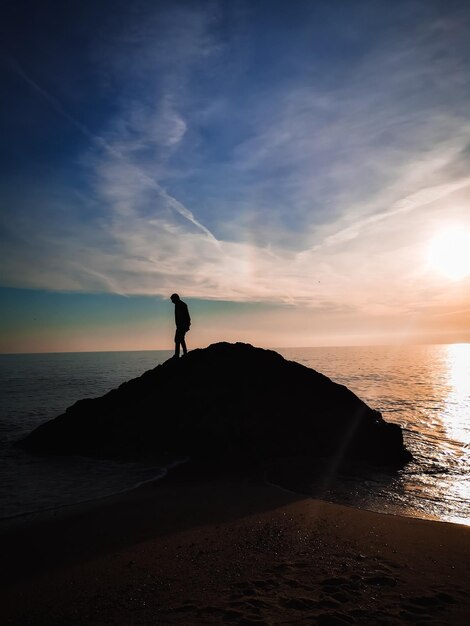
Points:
[[183, 322]]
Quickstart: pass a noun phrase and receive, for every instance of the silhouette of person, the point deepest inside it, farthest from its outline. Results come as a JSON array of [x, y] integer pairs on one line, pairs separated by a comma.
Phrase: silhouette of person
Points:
[[183, 322]]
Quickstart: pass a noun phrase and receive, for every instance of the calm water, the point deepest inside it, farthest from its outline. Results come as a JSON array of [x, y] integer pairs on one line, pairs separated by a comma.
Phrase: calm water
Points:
[[425, 389]]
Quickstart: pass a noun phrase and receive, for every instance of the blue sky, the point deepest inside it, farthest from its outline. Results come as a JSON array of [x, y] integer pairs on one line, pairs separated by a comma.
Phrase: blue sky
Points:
[[294, 159]]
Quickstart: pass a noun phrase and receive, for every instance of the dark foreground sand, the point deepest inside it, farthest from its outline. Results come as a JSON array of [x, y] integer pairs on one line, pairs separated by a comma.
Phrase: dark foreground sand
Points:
[[231, 550]]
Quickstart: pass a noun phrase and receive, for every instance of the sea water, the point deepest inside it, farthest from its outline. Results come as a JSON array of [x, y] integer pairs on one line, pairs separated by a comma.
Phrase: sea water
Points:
[[37, 387], [425, 389]]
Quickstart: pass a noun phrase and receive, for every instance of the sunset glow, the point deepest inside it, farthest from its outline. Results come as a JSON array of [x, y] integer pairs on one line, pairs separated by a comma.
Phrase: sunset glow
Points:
[[277, 164], [449, 253]]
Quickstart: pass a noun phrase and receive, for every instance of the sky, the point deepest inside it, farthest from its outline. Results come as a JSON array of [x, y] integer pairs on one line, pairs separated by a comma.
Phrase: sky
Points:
[[289, 168]]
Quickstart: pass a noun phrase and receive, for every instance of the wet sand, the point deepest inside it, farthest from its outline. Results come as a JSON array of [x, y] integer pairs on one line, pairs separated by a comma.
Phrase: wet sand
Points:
[[198, 549]]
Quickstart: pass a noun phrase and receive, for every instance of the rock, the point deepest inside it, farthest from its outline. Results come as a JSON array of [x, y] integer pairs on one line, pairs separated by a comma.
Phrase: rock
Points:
[[221, 402]]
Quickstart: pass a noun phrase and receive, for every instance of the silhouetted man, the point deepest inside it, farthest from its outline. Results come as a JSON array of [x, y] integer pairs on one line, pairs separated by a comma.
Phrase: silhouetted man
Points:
[[183, 322]]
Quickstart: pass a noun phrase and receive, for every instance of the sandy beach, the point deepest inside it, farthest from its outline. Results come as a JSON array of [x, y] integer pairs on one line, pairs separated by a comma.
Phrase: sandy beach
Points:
[[196, 548]]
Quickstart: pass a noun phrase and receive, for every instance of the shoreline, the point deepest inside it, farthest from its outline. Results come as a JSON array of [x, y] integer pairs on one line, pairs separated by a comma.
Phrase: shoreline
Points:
[[11, 522], [198, 548]]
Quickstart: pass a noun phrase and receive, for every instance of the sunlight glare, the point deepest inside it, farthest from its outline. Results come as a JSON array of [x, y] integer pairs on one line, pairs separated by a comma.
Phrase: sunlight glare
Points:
[[449, 253], [458, 400], [455, 417]]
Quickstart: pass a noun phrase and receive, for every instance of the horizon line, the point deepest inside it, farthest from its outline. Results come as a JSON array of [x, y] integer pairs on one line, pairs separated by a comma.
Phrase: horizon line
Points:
[[323, 347]]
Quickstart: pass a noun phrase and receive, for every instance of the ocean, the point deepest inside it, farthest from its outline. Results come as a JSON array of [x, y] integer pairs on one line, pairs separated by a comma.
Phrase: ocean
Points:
[[424, 388]]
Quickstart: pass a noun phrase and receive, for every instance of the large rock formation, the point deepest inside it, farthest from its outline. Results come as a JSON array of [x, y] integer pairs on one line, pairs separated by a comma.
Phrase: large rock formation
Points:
[[226, 401]]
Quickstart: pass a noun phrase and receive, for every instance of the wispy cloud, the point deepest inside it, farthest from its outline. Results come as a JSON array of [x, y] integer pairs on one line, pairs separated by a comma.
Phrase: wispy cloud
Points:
[[412, 202], [318, 187]]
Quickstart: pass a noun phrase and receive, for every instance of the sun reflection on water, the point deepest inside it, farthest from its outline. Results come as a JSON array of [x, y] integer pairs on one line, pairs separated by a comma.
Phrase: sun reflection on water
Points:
[[457, 403], [456, 422], [426, 390]]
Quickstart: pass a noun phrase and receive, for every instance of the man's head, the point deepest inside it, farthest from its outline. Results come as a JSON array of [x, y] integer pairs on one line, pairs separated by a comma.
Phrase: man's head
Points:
[[174, 297]]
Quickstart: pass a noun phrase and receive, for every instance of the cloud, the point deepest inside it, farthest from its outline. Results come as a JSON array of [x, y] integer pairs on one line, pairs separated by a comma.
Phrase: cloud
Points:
[[412, 202], [316, 188]]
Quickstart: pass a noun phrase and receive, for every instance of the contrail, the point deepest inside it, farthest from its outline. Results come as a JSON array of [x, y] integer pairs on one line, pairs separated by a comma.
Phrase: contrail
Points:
[[409, 203], [57, 106]]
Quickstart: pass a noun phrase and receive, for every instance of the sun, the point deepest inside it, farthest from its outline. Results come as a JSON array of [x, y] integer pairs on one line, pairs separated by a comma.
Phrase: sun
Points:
[[449, 253]]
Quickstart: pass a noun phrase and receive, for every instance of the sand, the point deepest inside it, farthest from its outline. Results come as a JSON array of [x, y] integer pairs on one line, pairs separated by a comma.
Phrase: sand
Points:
[[231, 549]]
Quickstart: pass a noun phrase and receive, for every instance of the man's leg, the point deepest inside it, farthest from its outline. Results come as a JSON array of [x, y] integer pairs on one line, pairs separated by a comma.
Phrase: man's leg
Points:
[[177, 343], [183, 344]]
